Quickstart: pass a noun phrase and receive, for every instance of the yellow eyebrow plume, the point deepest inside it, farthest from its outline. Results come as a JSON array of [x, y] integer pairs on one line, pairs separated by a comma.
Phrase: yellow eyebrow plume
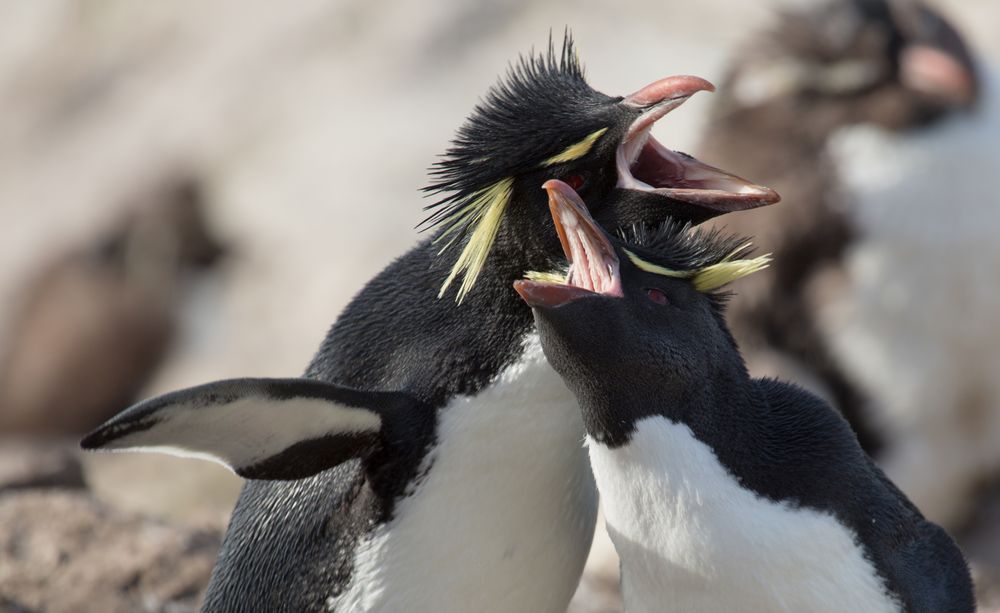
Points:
[[710, 277], [576, 150], [484, 210]]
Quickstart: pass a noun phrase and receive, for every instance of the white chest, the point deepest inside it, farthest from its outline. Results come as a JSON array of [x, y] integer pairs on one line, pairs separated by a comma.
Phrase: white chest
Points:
[[691, 539], [923, 279], [504, 517]]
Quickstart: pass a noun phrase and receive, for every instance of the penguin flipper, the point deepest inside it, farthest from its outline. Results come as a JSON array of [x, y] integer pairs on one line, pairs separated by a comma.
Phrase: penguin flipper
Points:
[[258, 428]]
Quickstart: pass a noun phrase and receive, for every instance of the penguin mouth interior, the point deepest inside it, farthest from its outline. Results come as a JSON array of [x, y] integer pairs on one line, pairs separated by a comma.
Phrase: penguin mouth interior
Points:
[[644, 164], [593, 263]]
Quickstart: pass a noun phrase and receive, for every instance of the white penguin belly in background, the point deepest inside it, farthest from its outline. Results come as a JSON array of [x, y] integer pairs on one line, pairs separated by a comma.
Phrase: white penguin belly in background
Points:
[[918, 326], [684, 527]]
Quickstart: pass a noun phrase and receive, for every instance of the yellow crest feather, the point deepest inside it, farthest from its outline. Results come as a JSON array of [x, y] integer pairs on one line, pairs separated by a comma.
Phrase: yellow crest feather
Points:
[[576, 150], [710, 277], [554, 276], [484, 210], [715, 276]]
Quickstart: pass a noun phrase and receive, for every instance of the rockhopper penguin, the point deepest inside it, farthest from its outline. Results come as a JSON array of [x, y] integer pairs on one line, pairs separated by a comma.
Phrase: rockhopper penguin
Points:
[[475, 496], [721, 492]]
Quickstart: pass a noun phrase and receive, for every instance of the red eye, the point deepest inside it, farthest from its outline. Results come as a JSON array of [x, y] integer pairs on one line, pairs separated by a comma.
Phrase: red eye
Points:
[[576, 181], [657, 296]]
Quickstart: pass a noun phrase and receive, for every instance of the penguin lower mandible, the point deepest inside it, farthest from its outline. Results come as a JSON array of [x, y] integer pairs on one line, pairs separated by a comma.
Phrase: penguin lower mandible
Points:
[[721, 492]]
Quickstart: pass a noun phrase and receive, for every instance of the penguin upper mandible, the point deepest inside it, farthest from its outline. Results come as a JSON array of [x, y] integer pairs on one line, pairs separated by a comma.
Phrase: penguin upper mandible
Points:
[[477, 495]]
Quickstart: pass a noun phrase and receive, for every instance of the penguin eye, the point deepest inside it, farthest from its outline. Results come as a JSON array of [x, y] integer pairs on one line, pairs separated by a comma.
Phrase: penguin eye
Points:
[[577, 182], [657, 296]]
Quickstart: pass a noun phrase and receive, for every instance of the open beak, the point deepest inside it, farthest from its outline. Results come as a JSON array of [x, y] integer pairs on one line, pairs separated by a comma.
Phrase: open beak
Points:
[[593, 262], [644, 164]]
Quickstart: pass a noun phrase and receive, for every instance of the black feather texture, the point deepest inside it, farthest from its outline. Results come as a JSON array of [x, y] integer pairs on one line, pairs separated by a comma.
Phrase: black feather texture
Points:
[[712, 257], [675, 245]]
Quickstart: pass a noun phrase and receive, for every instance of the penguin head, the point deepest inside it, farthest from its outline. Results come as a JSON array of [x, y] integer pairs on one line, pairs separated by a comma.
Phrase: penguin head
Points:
[[894, 63], [544, 121], [639, 306]]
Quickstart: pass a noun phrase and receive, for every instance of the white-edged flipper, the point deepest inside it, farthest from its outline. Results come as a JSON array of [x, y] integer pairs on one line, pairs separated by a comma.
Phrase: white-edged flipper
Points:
[[258, 428]]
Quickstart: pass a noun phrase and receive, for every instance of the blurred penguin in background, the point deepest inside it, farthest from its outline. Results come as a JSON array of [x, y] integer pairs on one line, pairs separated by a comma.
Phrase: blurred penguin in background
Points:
[[917, 323], [899, 69], [95, 323]]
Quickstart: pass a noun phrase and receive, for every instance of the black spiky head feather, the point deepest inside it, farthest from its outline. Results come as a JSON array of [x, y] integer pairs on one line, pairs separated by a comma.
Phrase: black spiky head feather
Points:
[[709, 259], [539, 108], [542, 121]]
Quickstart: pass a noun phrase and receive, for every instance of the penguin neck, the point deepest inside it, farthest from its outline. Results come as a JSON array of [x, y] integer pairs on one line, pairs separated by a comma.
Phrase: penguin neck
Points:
[[721, 405], [401, 314], [525, 241]]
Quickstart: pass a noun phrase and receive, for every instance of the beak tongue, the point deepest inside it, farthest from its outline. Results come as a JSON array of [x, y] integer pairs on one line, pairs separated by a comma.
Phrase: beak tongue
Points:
[[593, 261]]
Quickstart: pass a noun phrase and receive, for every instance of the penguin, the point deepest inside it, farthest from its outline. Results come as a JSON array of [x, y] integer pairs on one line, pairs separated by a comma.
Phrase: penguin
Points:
[[486, 501], [722, 492], [929, 212], [819, 70]]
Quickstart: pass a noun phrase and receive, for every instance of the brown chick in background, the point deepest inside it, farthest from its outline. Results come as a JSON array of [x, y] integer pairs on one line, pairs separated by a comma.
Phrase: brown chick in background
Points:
[[95, 323]]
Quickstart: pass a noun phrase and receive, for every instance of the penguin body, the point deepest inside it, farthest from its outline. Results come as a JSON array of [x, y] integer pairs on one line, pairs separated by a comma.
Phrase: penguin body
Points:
[[820, 69], [495, 508], [704, 542], [722, 492], [480, 497], [929, 211], [721, 545], [494, 563]]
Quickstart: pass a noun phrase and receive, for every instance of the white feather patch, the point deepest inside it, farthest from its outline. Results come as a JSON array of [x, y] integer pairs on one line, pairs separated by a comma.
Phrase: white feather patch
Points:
[[689, 535], [503, 518], [245, 431]]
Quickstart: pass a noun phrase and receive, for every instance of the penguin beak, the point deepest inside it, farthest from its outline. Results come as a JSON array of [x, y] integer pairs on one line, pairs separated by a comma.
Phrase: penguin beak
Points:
[[594, 268], [938, 74], [644, 164], [935, 60]]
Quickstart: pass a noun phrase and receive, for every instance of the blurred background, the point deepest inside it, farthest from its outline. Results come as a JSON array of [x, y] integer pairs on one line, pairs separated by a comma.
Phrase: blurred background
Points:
[[193, 190]]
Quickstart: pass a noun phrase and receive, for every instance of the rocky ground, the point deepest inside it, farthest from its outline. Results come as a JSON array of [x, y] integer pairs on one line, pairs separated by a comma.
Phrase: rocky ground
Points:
[[311, 126], [64, 550]]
